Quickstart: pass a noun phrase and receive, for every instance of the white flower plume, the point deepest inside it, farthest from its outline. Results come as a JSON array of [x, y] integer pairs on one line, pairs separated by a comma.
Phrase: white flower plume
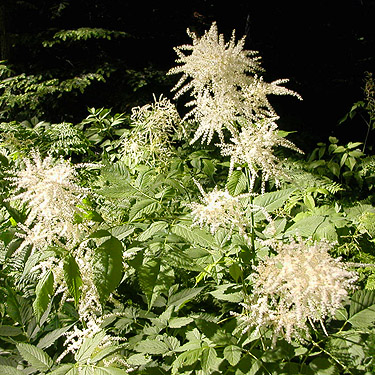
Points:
[[301, 283], [49, 188]]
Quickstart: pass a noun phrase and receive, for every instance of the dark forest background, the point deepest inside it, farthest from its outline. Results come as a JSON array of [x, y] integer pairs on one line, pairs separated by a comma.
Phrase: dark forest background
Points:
[[323, 47]]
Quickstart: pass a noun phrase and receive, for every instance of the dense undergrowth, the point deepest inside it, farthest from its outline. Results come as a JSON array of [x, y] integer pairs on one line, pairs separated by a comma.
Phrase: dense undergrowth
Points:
[[211, 244]]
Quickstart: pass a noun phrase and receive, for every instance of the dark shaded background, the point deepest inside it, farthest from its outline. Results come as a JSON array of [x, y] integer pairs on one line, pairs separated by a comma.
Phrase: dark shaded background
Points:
[[323, 47]]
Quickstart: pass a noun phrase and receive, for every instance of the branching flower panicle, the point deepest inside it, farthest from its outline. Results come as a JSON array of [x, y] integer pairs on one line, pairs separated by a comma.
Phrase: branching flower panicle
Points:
[[224, 83], [301, 283], [154, 126], [49, 188], [254, 146]]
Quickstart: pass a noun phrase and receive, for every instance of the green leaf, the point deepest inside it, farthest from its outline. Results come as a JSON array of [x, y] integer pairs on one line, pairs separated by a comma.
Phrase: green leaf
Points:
[[184, 296], [322, 366], [232, 354], [154, 278], [152, 229], [209, 360], [9, 370], [228, 292], [107, 267], [35, 356], [10, 331], [138, 360], [66, 369], [141, 208], [88, 347], [179, 322], [186, 358], [43, 294], [235, 271], [272, 201], [149, 346], [52, 336], [194, 235], [237, 183], [72, 276], [109, 371], [362, 309]]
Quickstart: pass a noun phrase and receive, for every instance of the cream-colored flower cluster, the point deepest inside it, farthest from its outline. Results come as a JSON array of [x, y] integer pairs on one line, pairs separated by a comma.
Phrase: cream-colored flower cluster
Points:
[[301, 284], [219, 209], [150, 139], [254, 146], [228, 96], [49, 189]]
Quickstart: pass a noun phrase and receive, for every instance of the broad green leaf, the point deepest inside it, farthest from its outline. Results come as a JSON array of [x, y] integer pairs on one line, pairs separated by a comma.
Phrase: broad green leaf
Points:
[[362, 309], [35, 356], [152, 229], [149, 346], [52, 336], [322, 366], [175, 257], [66, 369], [9, 370], [155, 278], [10, 331], [107, 267], [194, 235], [228, 292], [72, 276], [209, 360], [235, 271], [237, 183], [88, 347], [186, 358], [232, 354], [179, 322], [183, 296], [103, 353], [109, 371], [271, 201], [43, 294], [141, 208], [138, 359]]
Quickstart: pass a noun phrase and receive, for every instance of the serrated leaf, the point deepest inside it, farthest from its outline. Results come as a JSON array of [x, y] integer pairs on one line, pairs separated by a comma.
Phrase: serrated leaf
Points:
[[232, 354], [228, 292], [109, 371], [143, 207], [182, 297], [103, 353], [179, 322], [194, 235], [35, 356], [186, 358], [209, 360], [10, 331], [43, 294], [152, 229], [237, 183], [107, 267], [175, 257], [362, 309], [66, 369], [322, 366], [155, 277], [72, 277], [9, 370], [272, 201], [149, 346], [88, 347], [52, 336], [138, 360]]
